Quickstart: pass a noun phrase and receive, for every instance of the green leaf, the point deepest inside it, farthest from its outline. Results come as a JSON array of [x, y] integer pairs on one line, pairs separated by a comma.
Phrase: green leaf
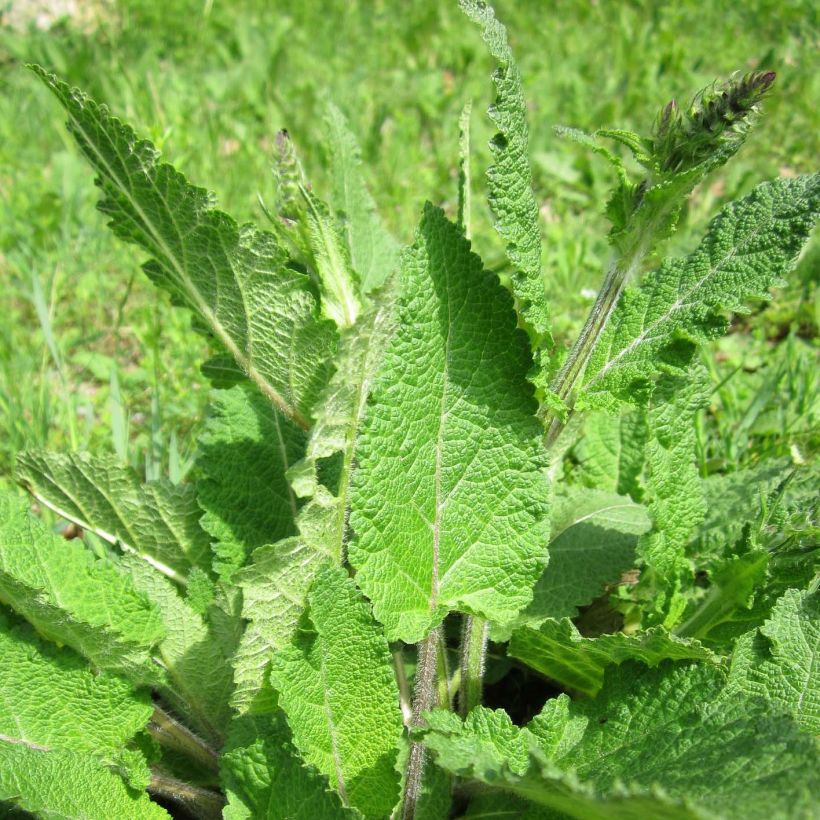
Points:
[[338, 689], [556, 649], [674, 496], [159, 521], [656, 326], [198, 670], [66, 785], [374, 253], [509, 180], [778, 662], [662, 741], [73, 598], [594, 535], [245, 451], [63, 729], [487, 747], [611, 452], [235, 278], [450, 499], [733, 501], [274, 586], [265, 780], [49, 697], [276, 582]]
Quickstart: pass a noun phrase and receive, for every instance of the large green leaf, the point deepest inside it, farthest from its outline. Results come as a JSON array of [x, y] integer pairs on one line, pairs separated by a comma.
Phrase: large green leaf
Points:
[[509, 180], [648, 730], [74, 598], [245, 451], [49, 697], [338, 689], [276, 582], [374, 253], [559, 651], [63, 785], [449, 502], [674, 496], [158, 521], [236, 279], [779, 661], [63, 730], [593, 539], [265, 780], [199, 681], [656, 326]]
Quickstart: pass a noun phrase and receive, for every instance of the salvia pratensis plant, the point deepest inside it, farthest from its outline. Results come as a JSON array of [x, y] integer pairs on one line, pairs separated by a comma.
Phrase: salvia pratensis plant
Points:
[[404, 489]]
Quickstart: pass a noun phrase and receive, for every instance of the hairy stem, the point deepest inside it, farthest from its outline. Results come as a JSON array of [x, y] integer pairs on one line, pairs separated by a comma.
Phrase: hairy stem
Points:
[[424, 699], [566, 382], [404, 686], [473, 659], [170, 733], [201, 803]]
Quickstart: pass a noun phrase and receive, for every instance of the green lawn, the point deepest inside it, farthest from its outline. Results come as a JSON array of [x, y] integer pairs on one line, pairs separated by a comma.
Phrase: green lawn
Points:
[[91, 356]]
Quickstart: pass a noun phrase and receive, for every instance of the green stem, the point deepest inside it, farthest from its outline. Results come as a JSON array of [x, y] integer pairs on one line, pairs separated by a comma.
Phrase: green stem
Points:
[[424, 699], [473, 659], [201, 803], [173, 735]]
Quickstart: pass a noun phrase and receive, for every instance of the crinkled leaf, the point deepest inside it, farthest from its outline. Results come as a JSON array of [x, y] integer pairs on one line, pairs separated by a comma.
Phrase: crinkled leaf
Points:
[[338, 689], [663, 737], [64, 785], [611, 452], [556, 649], [509, 180], [245, 451], [674, 496], [235, 278], [656, 326], [276, 582], [594, 535], [74, 598], [779, 661], [374, 253], [157, 520], [487, 747], [49, 697], [449, 502], [265, 780], [199, 673]]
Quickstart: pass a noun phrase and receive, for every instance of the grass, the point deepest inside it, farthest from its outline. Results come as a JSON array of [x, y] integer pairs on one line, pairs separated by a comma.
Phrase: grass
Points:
[[92, 357]]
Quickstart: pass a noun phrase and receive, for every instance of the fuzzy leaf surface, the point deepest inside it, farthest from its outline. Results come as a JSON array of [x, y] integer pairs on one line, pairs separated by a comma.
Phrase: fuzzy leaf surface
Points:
[[49, 697], [656, 326], [338, 689], [374, 253], [64, 785], [157, 520], [265, 779], [611, 452], [489, 748], [450, 499], [235, 278], [74, 598], [661, 734], [245, 451], [276, 582], [556, 649], [674, 495], [199, 672], [509, 180], [593, 539], [780, 661]]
